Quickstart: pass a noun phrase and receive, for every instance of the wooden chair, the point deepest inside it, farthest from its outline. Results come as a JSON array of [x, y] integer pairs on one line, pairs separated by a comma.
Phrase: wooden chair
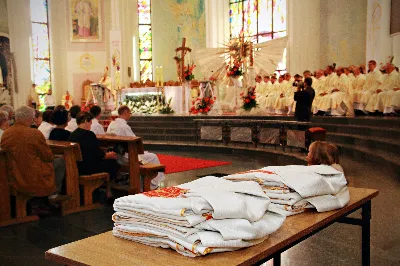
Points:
[[21, 200]]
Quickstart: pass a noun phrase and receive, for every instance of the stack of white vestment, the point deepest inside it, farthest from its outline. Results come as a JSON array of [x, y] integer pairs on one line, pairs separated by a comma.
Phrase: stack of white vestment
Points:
[[294, 188], [207, 215]]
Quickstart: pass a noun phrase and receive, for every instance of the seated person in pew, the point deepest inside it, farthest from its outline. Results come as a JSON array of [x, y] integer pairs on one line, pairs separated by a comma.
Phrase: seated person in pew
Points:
[[10, 110], [37, 120], [73, 111], [46, 126], [321, 152], [96, 127], [120, 127], [36, 171], [3, 123], [60, 120], [94, 159]]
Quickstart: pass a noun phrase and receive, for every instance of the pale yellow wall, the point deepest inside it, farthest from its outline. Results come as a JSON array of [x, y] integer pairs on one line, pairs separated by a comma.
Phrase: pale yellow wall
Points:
[[173, 20], [3, 17], [343, 32]]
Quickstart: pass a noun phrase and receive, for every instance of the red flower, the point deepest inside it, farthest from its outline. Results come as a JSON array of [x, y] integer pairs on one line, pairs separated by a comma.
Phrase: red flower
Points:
[[193, 102], [247, 100], [253, 97]]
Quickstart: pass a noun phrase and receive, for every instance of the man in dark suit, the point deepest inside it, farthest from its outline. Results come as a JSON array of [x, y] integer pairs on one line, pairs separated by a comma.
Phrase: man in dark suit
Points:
[[304, 97]]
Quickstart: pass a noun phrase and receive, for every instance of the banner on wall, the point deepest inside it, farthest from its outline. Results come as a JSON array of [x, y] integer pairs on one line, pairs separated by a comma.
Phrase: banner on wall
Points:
[[115, 53]]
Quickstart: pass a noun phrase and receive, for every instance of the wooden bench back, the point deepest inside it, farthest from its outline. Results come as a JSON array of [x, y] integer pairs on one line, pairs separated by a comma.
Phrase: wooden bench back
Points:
[[59, 147], [5, 210]]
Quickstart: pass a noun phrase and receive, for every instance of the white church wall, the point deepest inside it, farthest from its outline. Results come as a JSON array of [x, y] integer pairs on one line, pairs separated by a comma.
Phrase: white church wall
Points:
[[303, 28], [19, 25], [380, 45], [343, 28], [3, 17], [75, 62]]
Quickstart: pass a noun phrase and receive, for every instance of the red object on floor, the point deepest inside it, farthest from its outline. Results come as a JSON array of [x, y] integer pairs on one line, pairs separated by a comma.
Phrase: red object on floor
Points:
[[175, 164]]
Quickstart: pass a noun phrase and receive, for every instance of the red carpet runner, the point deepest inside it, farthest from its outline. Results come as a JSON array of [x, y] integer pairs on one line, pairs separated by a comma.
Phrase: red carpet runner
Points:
[[175, 164]]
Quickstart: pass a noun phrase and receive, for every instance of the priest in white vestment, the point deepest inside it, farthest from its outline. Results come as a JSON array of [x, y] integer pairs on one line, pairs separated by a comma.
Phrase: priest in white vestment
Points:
[[281, 101], [5, 97], [342, 96], [49, 100], [388, 87], [96, 127], [120, 127], [331, 83], [266, 91], [319, 88], [395, 99], [358, 87], [373, 84], [273, 94]]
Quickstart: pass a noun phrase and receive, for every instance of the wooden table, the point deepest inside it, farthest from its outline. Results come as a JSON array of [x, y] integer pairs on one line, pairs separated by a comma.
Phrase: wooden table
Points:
[[135, 147], [105, 249]]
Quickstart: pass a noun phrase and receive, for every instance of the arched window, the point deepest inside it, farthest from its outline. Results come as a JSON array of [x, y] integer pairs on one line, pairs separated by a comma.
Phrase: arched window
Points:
[[145, 40], [41, 73], [260, 20]]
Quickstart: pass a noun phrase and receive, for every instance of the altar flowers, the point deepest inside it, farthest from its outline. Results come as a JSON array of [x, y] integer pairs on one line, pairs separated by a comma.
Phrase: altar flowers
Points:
[[204, 216], [294, 188]]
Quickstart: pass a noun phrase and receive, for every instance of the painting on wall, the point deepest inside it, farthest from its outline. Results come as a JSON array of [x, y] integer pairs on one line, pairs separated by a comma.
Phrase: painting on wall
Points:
[[85, 20]]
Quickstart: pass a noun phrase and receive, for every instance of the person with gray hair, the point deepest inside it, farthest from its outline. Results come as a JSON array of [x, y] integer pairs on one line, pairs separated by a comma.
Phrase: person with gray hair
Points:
[[35, 170], [3, 123], [10, 110]]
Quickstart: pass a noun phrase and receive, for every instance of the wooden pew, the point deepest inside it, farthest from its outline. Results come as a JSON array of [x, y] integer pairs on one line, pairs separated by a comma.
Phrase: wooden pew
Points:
[[72, 154], [5, 210], [135, 147]]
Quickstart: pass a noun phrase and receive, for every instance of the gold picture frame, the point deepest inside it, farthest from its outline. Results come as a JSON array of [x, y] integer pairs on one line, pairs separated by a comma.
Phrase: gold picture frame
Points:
[[85, 19]]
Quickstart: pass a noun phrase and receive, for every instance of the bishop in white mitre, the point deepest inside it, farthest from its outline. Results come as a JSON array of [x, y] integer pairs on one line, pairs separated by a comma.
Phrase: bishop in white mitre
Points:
[[120, 127], [358, 87], [373, 84]]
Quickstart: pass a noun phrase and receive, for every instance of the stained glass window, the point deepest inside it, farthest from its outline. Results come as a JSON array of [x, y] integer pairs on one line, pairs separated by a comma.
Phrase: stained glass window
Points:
[[145, 40], [40, 46], [260, 20]]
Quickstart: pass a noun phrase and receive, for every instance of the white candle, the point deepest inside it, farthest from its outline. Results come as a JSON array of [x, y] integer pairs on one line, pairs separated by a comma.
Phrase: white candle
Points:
[[161, 76]]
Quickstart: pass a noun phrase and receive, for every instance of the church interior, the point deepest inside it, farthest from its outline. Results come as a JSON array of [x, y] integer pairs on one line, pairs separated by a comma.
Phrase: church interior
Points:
[[227, 132]]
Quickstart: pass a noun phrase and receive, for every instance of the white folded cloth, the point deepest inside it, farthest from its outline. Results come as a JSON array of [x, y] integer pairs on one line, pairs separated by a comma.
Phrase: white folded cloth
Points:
[[295, 187], [206, 215]]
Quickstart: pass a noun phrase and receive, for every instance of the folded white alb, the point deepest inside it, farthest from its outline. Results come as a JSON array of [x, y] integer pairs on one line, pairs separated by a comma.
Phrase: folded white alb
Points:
[[207, 215]]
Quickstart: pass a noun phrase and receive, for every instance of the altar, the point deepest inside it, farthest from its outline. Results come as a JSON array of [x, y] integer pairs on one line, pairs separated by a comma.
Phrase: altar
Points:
[[175, 93]]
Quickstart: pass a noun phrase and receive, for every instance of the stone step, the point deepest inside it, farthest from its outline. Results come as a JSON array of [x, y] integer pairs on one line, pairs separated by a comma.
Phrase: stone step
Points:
[[168, 137], [161, 124], [383, 159], [370, 131], [381, 121], [374, 143], [161, 130]]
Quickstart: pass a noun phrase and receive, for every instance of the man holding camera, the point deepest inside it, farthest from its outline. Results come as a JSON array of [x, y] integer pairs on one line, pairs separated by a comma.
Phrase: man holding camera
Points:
[[304, 97]]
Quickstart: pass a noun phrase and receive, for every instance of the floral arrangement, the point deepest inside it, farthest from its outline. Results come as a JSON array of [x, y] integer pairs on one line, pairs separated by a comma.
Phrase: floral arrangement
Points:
[[234, 69], [166, 108], [249, 100], [202, 105], [188, 72]]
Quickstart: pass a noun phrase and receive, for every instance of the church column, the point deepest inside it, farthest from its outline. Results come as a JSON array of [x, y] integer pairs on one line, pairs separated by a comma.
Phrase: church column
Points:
[[379, 42], [217, 23], [20, 30], [303, 29]]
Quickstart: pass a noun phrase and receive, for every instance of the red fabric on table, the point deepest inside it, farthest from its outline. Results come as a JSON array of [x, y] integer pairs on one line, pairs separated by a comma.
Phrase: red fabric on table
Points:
[[175, 164]]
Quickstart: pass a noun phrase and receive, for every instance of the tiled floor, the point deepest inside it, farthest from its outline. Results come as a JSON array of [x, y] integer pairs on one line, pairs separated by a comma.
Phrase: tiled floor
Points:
[[339, 244]]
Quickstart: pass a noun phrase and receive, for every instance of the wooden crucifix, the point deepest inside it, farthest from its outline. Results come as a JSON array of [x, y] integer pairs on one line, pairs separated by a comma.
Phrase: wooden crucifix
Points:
[[183, 50]]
